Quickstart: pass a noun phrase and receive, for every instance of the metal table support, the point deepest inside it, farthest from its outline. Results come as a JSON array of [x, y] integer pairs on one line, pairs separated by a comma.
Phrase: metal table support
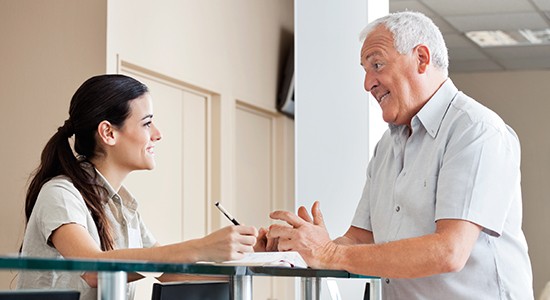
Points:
[[112, 285], [375, 290], [242, 287], [311, 288]]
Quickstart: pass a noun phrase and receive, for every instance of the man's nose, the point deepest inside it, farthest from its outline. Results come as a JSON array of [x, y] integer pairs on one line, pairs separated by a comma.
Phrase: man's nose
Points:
[[370, 81]]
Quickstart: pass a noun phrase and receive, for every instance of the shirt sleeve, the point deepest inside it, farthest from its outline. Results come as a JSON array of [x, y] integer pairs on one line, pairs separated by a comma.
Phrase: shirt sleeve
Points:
[[59, 203], [480, 176], [362, 219]]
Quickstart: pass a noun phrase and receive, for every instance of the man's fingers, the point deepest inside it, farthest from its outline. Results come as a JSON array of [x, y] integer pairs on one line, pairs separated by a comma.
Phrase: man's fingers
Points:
[[278, 231], [272, 244], [285, 245], [288, 217], [317, 215], [302, 213]]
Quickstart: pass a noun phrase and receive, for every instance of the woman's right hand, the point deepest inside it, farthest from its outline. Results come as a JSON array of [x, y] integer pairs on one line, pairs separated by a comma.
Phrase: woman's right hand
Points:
[[228, 243]]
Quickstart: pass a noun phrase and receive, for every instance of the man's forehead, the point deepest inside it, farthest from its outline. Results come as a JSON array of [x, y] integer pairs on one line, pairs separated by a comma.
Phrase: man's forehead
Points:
[[379, 38]]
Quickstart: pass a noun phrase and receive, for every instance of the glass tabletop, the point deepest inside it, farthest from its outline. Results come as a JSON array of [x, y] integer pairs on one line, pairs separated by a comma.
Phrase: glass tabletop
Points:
[[40, 263]]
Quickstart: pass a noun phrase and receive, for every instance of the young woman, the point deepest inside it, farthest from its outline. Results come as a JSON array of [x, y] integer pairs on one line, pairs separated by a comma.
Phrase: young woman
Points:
[[76, 205]]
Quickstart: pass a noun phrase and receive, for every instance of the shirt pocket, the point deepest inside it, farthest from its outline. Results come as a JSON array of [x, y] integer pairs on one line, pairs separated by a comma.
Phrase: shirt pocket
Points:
[[420, 203]]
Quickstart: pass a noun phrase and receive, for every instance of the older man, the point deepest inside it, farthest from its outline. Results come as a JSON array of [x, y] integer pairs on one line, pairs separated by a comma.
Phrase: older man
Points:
[[440, 215]]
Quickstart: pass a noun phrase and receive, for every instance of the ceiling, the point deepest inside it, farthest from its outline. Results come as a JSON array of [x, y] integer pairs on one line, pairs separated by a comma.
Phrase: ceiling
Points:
[[455, 17]]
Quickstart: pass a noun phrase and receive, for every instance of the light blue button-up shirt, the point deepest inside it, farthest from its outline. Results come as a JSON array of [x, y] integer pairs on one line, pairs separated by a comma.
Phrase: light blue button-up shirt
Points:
[[461, 161]]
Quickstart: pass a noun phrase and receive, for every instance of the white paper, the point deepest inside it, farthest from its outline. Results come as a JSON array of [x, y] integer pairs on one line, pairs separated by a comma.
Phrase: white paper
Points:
[[287, 259]]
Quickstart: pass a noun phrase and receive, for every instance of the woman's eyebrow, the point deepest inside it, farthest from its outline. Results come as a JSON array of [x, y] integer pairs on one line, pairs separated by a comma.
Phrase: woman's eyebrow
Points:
[[147, 116]]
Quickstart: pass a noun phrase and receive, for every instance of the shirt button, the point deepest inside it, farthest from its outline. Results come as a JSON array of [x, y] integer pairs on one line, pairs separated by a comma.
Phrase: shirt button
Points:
[[387, 280], [397, 208]]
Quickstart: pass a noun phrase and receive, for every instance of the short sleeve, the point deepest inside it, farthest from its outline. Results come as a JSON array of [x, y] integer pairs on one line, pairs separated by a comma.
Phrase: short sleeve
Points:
[[59, 203], [480, 176], [362, 219]]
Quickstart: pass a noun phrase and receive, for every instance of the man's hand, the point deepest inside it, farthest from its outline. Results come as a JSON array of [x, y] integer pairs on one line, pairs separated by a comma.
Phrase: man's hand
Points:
[[264, 243], [306, 234]]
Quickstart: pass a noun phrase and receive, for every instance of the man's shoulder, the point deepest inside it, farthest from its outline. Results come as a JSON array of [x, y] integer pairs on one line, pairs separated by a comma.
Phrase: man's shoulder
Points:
[[467, 110]]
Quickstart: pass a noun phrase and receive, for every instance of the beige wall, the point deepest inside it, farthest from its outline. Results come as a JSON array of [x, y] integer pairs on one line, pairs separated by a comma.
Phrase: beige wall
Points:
[[48, 48], [235, 49], [230, 47], [522, 100]]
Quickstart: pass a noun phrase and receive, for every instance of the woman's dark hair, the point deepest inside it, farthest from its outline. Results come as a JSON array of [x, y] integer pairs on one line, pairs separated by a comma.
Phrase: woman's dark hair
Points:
[[100, 98]]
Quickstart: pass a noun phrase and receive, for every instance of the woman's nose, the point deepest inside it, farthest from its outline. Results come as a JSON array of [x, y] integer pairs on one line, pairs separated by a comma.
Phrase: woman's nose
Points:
[[156, 134]]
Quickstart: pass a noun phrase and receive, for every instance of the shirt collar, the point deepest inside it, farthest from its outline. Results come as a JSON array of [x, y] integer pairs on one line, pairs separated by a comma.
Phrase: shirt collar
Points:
[[123, 196], [432, 114]]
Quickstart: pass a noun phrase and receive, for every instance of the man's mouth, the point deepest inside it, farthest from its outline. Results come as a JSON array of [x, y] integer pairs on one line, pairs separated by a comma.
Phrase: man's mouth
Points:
[[383, 97]]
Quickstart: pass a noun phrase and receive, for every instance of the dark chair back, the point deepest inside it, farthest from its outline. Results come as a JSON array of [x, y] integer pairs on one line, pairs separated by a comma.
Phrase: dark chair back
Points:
[[191, 291], [39, 295]]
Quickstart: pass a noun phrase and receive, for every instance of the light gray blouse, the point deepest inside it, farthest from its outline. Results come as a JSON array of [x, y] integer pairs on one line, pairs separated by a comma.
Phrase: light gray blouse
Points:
[[59, 203]]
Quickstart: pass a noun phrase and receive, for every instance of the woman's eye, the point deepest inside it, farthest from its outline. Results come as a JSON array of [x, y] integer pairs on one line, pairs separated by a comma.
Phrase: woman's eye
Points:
[[148, 124]]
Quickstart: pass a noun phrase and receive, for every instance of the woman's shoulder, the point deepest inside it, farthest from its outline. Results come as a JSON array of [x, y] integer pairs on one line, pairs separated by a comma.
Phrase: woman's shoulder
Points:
[[60, 187], [60, 181]]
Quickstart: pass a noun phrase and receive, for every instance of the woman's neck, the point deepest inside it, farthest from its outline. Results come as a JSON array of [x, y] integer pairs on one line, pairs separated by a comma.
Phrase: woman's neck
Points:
[[112, 174]]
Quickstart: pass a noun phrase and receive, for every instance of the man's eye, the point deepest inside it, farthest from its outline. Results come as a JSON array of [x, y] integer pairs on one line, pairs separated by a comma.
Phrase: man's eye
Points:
[[377, 66]]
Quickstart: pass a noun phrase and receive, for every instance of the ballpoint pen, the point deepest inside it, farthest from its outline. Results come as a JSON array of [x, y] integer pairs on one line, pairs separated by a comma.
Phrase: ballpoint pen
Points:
[[227, 214]]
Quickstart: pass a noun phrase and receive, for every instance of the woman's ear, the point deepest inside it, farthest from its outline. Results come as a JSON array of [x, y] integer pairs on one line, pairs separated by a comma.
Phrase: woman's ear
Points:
[[423, 57], [106, 133]]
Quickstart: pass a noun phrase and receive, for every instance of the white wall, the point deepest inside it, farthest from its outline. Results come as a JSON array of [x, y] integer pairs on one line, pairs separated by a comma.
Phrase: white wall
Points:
[[522, 100], [332, 110], [332, 140]]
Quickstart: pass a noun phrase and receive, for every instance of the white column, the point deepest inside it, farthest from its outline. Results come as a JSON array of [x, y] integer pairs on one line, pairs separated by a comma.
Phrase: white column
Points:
[[334, 130], [332, 120]]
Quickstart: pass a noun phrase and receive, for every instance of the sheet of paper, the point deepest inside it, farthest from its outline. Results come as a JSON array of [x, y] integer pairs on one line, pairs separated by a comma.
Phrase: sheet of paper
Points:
[[287, 259]]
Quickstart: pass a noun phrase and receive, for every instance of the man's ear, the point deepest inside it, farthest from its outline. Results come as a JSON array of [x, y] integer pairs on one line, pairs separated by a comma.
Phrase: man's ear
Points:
[[106, 133], [423, 56]]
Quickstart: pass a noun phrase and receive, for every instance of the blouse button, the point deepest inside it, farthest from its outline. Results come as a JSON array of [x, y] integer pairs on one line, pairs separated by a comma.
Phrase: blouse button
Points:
[[397, 208]]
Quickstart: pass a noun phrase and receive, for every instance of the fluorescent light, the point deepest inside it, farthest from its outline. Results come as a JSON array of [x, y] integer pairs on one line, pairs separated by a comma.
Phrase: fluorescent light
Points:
[[536, 36], [500, 38], [491, 38]]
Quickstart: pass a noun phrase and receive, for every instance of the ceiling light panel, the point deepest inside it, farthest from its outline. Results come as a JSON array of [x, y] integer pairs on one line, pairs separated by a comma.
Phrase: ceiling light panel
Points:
[[536, 36], [491, 38]]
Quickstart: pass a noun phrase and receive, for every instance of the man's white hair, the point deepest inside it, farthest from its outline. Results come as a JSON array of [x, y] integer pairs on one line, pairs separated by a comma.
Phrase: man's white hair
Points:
[[409, 30]]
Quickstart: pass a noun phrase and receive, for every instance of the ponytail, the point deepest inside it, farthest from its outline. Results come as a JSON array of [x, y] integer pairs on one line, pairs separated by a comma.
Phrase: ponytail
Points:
[[58, 159]]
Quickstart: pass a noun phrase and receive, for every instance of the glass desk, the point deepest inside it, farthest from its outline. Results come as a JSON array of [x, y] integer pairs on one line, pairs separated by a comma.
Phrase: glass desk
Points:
[[112, 274]]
